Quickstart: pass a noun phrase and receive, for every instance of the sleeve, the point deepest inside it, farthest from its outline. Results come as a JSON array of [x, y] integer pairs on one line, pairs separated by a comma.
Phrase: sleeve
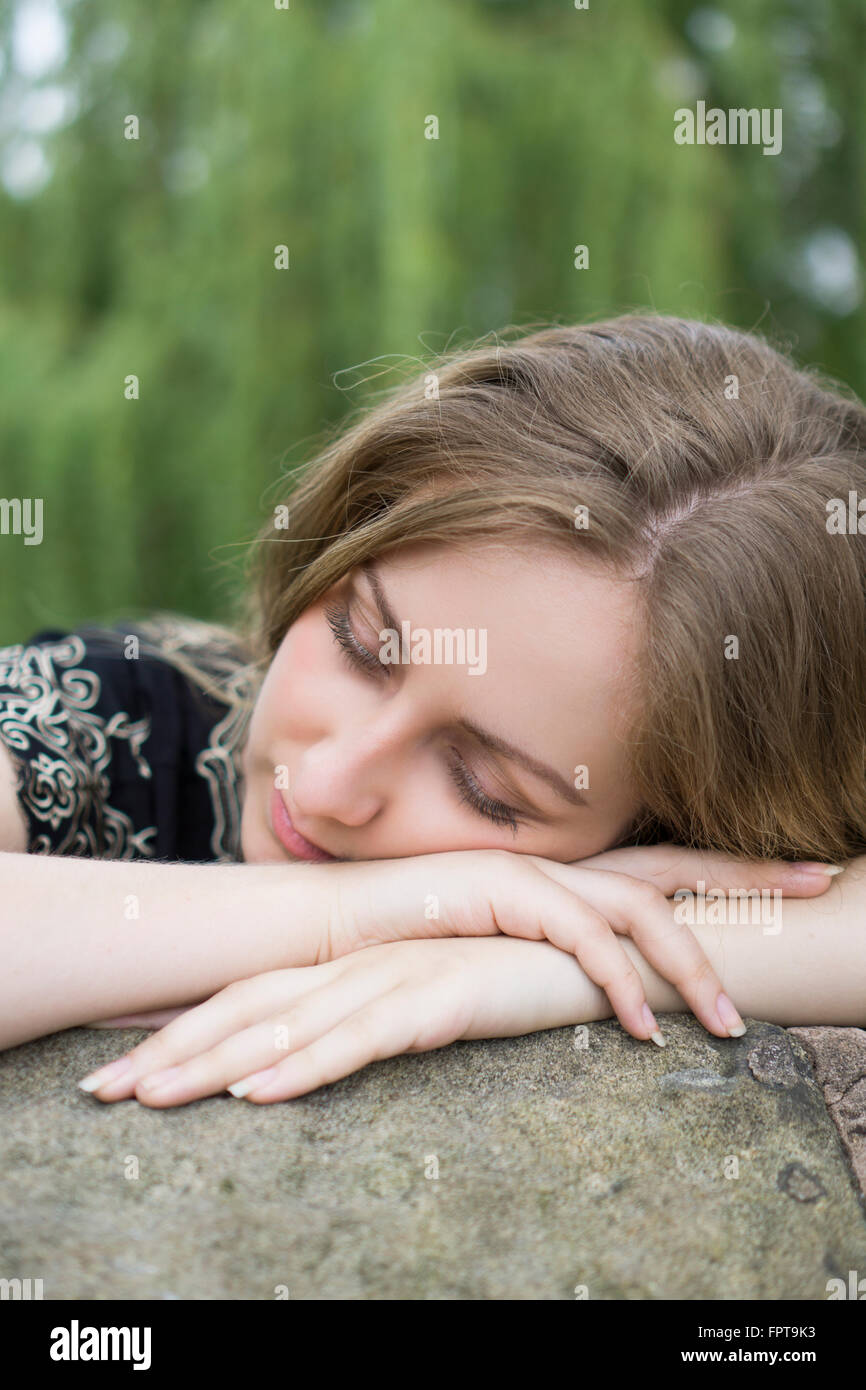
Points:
[[69, 721]]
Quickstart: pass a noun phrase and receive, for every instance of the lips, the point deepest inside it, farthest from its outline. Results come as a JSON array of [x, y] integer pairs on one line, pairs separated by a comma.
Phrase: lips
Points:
[[292, 839]]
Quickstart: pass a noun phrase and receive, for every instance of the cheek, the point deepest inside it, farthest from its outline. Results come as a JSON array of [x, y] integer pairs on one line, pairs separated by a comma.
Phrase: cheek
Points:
[[304, 648], [298, 672]]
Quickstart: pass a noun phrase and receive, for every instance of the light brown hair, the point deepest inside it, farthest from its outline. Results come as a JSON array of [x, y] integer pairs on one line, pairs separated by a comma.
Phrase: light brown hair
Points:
[[705, 459]]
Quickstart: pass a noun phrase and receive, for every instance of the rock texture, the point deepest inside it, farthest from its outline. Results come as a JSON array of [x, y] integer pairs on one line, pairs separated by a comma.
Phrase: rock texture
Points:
[[838, 1057], [570, 1163]]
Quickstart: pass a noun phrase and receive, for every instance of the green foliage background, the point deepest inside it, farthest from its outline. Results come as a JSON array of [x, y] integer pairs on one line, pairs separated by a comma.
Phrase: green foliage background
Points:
[[305, 126]]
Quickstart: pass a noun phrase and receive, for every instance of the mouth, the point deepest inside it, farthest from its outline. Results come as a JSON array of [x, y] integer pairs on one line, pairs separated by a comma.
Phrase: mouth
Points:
[[290, 838]]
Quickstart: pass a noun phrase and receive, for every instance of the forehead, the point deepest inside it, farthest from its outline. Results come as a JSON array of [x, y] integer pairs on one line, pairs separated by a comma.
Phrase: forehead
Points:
[[560, 631]]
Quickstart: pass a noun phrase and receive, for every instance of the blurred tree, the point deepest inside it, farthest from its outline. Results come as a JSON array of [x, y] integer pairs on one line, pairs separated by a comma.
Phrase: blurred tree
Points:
[[310, 127]]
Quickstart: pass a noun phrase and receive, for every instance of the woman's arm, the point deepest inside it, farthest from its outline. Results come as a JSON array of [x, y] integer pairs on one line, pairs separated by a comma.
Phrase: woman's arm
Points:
[[86, 939], [82, 939], [809, 967], [285, 1033]]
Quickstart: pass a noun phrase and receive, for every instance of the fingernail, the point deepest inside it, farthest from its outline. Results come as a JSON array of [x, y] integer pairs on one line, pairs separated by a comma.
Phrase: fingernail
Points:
[[96, 1079], [249, 1083], [814, 869], [649, 1020], [158, 1079], [730, 1019]]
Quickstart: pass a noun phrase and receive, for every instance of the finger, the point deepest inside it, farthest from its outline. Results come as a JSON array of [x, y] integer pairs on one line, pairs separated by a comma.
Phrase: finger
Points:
[[641, 910], [213, 1071], [267, 1042], [200, 1028], [561, 914], [387, 1027], [672, 867]]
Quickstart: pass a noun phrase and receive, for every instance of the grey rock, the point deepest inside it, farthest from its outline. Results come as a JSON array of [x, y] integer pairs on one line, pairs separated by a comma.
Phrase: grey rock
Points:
[[773, 1063], [838, 1056], [520, 1168], [698, 1079]]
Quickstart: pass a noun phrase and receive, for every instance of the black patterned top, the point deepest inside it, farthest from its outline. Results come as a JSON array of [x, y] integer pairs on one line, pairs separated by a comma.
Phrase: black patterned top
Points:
[[118, 754]]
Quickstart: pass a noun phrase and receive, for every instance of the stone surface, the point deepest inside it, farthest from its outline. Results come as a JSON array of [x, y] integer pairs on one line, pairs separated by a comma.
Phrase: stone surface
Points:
[[838, 1057], [570, 1159]]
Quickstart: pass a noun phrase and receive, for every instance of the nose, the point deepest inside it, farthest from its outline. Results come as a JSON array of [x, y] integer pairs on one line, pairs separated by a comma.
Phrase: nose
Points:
[[349, 776]]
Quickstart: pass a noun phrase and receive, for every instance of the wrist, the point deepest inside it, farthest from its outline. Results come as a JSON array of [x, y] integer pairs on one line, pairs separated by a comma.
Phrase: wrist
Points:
[[299, 903]]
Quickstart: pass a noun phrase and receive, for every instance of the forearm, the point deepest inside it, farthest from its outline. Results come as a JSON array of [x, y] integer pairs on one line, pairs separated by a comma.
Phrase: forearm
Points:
[[809, 967], [84, 939], [811, 970]]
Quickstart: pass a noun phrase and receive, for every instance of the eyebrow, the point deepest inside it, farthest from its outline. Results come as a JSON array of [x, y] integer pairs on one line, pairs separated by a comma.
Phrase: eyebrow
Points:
[[489, 740]]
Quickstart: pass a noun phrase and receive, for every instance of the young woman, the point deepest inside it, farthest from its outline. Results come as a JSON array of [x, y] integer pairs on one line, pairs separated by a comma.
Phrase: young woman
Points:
[[560, 628]]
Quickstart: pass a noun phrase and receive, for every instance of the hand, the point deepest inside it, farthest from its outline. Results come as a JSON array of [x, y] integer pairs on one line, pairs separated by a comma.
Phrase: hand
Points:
[[311, 1025], [579, 908], [667, 866], [671, 867]]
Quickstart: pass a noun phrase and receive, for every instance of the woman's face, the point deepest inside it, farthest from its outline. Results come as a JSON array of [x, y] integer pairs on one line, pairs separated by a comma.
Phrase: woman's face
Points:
[[504, 733]]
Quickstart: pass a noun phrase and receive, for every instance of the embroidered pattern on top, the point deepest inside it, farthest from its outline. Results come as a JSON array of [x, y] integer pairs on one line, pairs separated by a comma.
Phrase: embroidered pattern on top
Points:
[[47, 698]]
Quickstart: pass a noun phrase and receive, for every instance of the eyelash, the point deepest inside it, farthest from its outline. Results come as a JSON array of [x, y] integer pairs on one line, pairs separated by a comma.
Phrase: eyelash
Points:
[[468, 789], [338, 621], [471, 793]]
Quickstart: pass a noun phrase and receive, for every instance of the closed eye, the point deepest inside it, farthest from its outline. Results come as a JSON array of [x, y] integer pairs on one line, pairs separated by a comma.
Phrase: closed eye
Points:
[[357, 655], [359, 658]]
